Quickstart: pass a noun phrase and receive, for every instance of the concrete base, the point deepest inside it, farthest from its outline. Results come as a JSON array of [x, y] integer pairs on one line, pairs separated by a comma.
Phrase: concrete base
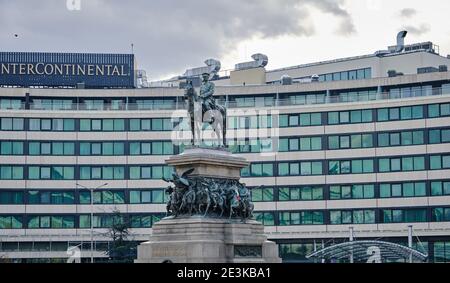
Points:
[[208, 162], [208, 240]]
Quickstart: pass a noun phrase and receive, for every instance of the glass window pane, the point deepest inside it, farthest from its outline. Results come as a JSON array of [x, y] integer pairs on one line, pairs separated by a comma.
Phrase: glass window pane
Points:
[[395, 164], [333, 142], [69, 148], [69, 125], [435, 162], [108, 148], [344, 117], [85, 148], [335, 192], [306, 168], [305, 144], [283, 169], [356, 141], [283, 121], [58, 148], [96, 125], [333, 118], [157, 196], [385, 191]]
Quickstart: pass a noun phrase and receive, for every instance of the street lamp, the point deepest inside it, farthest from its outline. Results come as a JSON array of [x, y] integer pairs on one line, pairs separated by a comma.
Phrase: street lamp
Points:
[[92, 216]]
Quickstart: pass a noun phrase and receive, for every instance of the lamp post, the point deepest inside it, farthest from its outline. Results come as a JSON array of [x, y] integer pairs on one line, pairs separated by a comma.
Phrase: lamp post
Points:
[[92, 216]]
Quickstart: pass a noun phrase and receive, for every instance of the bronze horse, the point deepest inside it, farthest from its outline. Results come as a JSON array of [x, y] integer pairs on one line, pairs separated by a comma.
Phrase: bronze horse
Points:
[[215, 115]]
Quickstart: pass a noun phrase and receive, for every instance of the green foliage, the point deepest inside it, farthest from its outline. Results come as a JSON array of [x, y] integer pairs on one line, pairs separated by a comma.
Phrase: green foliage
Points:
[[121, 249]]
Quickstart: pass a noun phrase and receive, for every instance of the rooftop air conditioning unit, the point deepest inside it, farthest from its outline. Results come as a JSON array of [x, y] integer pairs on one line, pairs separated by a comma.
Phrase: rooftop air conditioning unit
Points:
[[443, 68], [286, 80], [392, 73]]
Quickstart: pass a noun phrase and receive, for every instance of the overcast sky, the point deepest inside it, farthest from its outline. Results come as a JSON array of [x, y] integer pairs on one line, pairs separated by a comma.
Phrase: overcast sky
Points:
[[170, 36]]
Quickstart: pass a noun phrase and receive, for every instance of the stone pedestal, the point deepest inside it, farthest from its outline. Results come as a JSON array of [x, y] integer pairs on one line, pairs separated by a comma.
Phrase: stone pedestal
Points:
[[206, 239], [206, 162]]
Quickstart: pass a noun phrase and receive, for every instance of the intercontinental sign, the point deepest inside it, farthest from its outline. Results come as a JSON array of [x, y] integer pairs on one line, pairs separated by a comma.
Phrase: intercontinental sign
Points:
[[26, 69], [63, 69]]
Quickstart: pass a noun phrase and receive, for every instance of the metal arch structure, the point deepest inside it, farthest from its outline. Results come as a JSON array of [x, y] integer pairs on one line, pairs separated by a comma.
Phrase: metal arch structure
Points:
[[362, 251]]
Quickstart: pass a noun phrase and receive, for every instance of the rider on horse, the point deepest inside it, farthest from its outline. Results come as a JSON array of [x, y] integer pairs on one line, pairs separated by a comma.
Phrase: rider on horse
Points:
[[206, 94]]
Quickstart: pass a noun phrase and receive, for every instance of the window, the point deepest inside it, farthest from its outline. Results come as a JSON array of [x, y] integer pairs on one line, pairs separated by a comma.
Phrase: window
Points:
[[11, 104], [55, 125], [105, 148], [141, 221], [11, 172], [250, 122], [151, 196], [11, 124], [51, 148], [102, 173], [105, 125], [404, 215], [441, 252], [13, 197], [401, 138], [439, 136], [353, 117], [439, 162], [402, 113], [258, 170], [266, 218], [305, 193], [51, 173], [262, 194], [416, 163], [438, 110], [103, 197], [353, 141], [11, 222], [304, 120], [150, 172], [253, 145], [51, 222], [51, 197], [156, 124], [350, 167], [301, 218], [352, 192], [440, 188], [52, 104], [302, 168], [352, 217], [11, 148], [300, 144], [417, 189], [441, 214]]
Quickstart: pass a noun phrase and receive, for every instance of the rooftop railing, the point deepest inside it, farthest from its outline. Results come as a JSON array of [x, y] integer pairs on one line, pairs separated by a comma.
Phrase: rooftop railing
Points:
[[180, 104]]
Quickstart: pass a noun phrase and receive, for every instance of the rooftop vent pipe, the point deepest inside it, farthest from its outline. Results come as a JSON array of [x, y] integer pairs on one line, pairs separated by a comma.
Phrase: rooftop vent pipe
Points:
[[212, 67], [260, 60], [401, 41]]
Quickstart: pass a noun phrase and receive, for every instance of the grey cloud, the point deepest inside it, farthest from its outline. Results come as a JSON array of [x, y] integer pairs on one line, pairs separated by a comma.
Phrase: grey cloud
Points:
[[168, 35], [418, 30], [335, 7], [407, 12]]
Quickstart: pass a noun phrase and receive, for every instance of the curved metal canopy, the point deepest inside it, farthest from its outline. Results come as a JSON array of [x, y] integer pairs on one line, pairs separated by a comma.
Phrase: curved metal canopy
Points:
[[363, 251]]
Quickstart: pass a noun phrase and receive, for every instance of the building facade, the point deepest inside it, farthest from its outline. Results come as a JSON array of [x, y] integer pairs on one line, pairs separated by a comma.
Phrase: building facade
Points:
[[367, 151]]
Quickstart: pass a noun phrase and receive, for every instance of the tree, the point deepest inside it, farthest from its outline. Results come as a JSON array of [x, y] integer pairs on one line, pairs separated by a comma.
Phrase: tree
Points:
[[121, 249]]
